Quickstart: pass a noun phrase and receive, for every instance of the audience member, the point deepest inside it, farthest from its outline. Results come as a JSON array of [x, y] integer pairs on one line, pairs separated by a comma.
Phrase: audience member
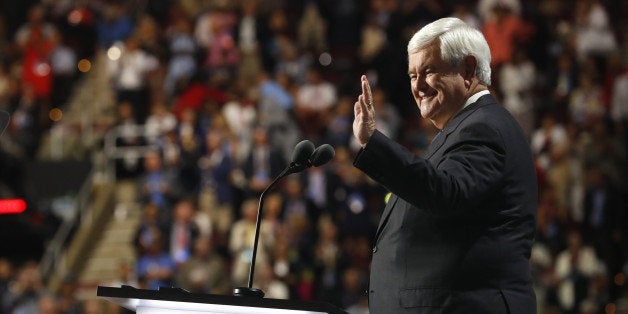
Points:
[[504, 31], [314, 101], [328, 258], [151, 224], [577, 270], [240, 114], [275, 111], [182, 63], [216, 194], [517, 79], [35, 38], [264, 163], [160, 121], [182, 231], [156, 185], [129, 163], [388, 120], [593, 33], [585, 104], [205, 271], [250, 33], [128, 74], [24, 290], [269, 283], [155, 265], [114, 24], [241, 244]]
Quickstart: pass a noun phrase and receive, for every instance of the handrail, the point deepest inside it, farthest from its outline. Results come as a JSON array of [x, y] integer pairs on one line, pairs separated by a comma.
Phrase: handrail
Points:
[[113, 152], [52, 257]]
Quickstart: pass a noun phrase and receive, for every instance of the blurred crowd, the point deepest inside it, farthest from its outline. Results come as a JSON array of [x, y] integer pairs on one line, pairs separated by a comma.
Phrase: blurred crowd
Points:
[[222, 91]]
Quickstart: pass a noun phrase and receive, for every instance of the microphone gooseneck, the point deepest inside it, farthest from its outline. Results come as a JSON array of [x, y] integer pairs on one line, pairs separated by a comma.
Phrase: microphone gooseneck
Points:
[[303, 157]]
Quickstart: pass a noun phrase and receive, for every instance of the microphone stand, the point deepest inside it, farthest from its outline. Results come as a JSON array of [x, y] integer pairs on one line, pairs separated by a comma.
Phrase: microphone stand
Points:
[[250, 291]]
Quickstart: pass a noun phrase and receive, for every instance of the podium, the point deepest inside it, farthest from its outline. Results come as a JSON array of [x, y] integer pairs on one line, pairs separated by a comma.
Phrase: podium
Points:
[[179, 301]]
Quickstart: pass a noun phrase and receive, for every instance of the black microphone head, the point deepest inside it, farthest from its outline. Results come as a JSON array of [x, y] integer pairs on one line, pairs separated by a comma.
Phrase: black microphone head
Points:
[[302, 152], [322, 155]]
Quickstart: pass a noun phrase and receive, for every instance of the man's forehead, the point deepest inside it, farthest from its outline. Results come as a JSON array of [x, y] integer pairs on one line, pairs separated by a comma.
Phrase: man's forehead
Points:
[[427, 54]]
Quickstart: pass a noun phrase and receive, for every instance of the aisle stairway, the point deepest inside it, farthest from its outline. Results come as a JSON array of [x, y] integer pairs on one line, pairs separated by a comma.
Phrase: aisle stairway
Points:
[[114, 245], [108, 220], [89, 113]]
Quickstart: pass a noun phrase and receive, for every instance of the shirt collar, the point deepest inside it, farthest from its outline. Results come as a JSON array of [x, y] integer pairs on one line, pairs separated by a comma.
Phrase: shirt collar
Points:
[[475, 97]]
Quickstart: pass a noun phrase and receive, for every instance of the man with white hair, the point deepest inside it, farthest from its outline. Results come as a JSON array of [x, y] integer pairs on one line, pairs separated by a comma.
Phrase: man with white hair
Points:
[[457, 230]]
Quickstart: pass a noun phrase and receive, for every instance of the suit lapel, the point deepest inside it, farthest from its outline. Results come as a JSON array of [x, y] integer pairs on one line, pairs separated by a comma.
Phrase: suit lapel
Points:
[[451, 126], [385, 215], [437, 142]]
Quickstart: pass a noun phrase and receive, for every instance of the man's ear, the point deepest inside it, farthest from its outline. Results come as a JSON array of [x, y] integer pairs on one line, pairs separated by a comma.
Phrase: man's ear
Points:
[[470, 64]]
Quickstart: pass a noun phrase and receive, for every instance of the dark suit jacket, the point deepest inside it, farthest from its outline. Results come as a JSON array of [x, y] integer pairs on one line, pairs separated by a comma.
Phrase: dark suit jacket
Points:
[[275, 159], [456, 235]]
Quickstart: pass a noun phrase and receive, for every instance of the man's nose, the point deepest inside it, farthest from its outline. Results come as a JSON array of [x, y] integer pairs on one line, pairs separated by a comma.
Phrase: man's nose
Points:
[[419, 84]]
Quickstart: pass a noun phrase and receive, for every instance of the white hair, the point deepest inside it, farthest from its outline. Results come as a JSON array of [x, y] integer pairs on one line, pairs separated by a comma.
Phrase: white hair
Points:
[[457, 41]]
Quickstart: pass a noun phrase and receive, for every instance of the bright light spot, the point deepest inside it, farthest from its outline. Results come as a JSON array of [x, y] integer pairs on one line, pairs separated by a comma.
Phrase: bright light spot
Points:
[[114, 53], [324, 59], [84, 65], [42, 69], [12, 206], [55, 114], [356, 204]]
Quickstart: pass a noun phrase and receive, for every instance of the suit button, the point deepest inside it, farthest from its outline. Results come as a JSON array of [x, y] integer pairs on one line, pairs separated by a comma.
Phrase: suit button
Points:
[[374, 249]]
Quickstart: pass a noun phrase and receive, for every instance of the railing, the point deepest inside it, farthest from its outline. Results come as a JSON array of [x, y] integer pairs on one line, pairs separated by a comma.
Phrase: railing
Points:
[[113, 152], [53, 256], [54, 259]]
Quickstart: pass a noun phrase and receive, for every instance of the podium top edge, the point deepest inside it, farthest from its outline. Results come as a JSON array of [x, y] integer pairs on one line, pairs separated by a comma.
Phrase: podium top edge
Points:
[[180, 295]]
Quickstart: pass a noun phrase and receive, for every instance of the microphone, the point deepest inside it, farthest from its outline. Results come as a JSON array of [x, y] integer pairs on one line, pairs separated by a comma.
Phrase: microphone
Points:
[[303, 157], [322, 155]]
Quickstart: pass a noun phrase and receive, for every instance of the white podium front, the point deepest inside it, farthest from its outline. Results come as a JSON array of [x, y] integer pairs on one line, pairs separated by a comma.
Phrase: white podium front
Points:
[[178, 301]]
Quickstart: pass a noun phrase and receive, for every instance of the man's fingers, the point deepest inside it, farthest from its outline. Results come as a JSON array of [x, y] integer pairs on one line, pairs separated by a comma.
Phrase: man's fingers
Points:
[[366, 91], [357, 108], [363, 125], [364, 106]]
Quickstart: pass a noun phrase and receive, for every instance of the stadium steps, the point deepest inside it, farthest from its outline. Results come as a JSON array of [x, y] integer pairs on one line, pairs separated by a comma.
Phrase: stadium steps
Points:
[[114, 245], [87, 233], [88, 114]]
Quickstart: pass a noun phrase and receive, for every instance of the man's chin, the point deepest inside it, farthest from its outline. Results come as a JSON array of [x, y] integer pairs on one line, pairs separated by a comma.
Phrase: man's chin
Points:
[[425, 112]]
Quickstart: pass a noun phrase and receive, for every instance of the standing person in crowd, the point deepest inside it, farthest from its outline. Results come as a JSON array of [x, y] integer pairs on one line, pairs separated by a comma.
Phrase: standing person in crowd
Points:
[[156, 185], [205, 271], [155, 266], [314, 101], [35, 39], [263, 163], [182, 230], [456, 234], [129, 75], [577, 269]]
